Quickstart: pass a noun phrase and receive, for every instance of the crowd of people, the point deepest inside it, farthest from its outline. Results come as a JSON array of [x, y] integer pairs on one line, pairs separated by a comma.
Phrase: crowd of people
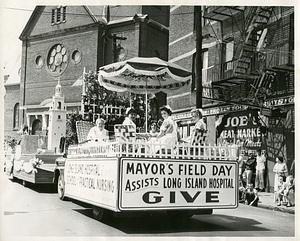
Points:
[[284, 186]]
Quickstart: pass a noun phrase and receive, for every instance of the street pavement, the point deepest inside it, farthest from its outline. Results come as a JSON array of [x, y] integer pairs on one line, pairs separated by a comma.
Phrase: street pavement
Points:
[[36, 212]]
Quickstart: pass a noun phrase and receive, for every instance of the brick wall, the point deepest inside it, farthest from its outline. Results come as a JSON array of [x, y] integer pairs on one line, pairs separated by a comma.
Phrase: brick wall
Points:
[[11, 98], [157, 41], [40, 84]]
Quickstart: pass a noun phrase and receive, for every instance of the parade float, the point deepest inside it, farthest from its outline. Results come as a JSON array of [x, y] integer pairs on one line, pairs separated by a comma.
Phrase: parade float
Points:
[[127, 175], [132, 174]]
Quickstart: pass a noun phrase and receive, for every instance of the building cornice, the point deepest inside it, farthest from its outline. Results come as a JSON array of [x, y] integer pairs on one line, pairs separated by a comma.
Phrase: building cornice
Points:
[[40, 106], [11, 84], [143, 18], [63, 31]]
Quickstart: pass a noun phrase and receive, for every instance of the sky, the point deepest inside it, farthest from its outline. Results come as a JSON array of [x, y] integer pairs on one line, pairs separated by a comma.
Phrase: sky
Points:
[[14, 16]]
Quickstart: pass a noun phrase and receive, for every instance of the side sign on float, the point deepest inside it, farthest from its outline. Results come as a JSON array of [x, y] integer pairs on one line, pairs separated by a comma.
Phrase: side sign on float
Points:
[[149, 184], [93, 181]]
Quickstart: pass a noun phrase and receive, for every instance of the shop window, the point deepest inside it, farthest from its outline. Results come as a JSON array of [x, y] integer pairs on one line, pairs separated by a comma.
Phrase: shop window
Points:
[[16, 116]]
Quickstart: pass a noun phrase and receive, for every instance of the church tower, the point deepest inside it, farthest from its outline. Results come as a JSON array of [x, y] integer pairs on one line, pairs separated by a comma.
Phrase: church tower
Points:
[[57, 119]]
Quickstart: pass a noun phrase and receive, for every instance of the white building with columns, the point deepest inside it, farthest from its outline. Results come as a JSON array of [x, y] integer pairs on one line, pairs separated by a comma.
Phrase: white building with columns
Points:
[[48, 119]]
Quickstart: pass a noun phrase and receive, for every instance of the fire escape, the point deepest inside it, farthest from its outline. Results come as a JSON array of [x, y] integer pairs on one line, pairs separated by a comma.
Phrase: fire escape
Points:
[[243, 79], [260, 72]]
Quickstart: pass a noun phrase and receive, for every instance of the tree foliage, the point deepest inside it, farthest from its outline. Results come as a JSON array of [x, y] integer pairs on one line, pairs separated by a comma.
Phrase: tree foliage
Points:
[[71, 133], [96, 98], [102, 96]]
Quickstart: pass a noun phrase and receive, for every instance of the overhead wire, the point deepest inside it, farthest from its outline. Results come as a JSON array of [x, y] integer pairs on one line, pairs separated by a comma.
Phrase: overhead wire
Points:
[[97, 15], [218, 39]]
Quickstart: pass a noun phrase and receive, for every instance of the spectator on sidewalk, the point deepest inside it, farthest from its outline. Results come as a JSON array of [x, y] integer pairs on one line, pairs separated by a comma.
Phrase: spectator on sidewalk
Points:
[[242, 191], [289, 191], [242, 162], [250, 168], [279, 169], [260, 171], [279, 198], [251, 196]]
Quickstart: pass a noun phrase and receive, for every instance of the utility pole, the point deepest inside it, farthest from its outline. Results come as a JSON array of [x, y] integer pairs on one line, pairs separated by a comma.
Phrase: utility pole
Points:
[[198, 69]]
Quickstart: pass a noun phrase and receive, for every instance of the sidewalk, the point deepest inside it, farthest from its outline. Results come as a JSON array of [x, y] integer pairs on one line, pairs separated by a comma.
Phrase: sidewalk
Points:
[[266, 200]]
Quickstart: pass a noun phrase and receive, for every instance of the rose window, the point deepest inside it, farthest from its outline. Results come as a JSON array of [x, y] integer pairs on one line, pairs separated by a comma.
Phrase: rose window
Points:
[[57, 59]]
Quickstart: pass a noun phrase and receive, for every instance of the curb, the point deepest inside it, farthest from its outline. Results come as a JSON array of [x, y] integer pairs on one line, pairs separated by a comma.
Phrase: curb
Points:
[[275, 208]]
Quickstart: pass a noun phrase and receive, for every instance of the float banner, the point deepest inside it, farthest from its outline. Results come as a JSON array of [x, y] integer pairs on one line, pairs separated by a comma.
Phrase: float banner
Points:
[[93, 181], [167, 184]]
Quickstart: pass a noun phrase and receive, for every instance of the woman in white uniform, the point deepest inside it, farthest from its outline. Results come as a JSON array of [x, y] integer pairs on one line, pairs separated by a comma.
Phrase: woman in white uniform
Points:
[[98, 133], [168, 129], [130, 118], [200, 125]]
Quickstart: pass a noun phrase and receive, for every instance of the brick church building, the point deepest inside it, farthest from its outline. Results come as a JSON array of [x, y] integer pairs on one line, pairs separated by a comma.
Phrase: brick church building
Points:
[[58, 42]]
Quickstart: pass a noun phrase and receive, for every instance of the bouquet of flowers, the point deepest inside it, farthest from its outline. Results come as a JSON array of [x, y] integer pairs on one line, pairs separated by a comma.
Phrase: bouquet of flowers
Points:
[[36, 162]]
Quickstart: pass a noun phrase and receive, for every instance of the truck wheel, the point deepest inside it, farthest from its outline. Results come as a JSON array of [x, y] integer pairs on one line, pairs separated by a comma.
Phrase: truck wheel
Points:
[[179, 214], [60, 188], [100, 214]]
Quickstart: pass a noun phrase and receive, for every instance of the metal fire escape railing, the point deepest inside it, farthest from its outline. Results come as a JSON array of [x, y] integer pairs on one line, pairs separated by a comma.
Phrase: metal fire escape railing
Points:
[[255, 37], [238, 80]]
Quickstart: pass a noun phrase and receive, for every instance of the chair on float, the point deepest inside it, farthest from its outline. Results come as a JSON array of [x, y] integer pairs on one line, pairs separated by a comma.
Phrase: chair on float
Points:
[[198, 138], [126, 133], [82, 129]]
